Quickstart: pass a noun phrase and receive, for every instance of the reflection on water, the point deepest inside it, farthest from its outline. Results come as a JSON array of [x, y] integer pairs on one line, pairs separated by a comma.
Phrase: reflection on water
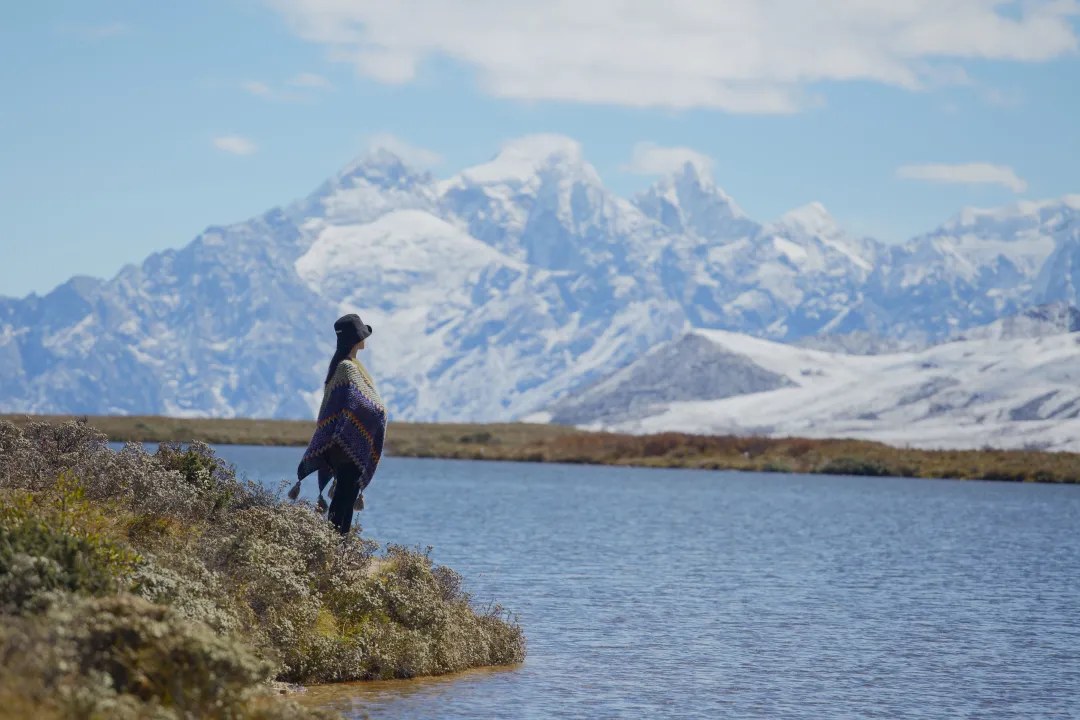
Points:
[[671, 593]]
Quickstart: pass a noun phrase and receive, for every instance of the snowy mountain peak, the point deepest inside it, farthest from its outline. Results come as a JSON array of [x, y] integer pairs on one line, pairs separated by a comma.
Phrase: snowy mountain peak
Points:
[[812, 218], [692, 174], [404, 251], [379, 166], [694, 181], [812, 226], [539, 201], [521, 161], [374, 184], [689, 200]]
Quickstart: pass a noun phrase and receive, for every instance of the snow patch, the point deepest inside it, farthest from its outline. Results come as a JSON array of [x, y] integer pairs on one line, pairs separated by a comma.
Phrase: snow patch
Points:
[[811, 218], [520, 160], [960, 394]]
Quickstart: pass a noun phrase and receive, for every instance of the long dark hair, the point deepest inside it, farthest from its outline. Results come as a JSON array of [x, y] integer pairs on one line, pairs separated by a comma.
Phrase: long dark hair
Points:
[[340, 354]]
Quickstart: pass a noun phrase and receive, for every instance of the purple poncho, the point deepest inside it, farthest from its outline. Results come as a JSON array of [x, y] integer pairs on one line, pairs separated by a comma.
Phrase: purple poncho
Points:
[[353, 416]]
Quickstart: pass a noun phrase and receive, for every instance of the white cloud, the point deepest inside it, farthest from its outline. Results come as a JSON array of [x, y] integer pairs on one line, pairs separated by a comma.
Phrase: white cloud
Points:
[[738, 55], [965, 174], [651, 159], [410, 154], [235, 145]]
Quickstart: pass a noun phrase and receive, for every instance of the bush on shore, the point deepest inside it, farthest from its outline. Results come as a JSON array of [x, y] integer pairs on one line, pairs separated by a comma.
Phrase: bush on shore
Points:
[[158, 584]]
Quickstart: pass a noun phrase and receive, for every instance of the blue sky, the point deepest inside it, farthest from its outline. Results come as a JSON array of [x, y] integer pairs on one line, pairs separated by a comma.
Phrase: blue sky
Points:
[[130, 126]]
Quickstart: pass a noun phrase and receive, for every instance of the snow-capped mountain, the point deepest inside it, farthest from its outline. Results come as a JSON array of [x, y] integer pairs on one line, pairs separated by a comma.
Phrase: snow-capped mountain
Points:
[[978, 267], [523, 279], [797, 276], [538, 201], [219, 327], [465, 330], [971, 393], [690, 202], [504, 288], [365, 190]]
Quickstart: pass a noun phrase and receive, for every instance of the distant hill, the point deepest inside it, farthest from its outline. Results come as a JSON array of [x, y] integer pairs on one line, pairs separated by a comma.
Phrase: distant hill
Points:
[[1016, 391]]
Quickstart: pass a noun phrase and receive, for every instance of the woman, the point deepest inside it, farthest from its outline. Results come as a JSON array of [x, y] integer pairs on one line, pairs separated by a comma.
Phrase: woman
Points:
[[348, 439]]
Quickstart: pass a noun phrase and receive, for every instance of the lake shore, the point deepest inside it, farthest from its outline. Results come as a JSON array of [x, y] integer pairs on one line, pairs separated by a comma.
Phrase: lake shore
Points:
[[523, 442]]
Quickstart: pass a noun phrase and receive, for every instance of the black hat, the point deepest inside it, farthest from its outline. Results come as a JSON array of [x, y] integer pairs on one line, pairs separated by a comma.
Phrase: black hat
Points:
[[350, 330]]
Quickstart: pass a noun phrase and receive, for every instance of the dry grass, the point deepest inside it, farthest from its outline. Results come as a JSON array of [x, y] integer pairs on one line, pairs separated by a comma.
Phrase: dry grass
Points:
[[802, 455], [402, 438], [553, 443]]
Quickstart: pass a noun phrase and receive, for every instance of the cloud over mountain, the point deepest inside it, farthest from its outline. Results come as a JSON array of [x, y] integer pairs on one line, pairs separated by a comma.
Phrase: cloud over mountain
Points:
[[965, 174], [744, 56]]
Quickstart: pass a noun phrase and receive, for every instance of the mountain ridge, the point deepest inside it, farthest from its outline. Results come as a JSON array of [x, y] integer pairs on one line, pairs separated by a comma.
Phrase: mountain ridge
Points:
[[575, 283]]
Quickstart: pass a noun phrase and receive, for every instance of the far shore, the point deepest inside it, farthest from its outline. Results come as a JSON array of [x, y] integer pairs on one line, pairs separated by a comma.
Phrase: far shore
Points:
[[525, 442]]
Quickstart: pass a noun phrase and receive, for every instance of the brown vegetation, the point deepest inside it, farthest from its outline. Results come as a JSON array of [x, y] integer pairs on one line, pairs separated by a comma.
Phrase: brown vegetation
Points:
[[553, 443]]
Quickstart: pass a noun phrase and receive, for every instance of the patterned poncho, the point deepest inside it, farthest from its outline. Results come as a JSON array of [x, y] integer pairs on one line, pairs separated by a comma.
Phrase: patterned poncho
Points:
[[353, 416]]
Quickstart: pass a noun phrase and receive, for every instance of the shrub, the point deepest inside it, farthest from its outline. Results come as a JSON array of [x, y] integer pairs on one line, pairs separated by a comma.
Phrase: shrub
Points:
[[191, 590], [1005, 474], [798, 447], [123, 657], [414, 619], [171, 571], [482, 437], [148, 651], [855, 466], [56, 543]]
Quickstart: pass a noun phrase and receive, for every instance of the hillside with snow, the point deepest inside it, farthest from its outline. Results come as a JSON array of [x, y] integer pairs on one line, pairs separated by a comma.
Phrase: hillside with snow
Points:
[[1019, 393], [507, 287]]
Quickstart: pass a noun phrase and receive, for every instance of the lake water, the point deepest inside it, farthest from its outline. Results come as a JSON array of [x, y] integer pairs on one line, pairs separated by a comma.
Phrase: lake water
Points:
[[675, 593]]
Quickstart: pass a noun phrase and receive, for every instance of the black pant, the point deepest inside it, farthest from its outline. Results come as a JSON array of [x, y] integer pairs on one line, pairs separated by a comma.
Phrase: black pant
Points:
[[346, 490]]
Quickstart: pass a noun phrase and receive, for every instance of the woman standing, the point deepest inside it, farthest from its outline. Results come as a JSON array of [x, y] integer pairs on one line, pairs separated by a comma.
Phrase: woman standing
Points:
[[348, 439]]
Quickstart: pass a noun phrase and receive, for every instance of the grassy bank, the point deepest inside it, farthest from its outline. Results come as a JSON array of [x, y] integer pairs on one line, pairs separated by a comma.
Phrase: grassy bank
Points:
[[137, 584], [548, 443], [403, 438]]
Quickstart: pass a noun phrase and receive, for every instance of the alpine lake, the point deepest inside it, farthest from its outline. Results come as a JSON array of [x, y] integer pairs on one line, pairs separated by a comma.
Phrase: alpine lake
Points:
[[708, 594]]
